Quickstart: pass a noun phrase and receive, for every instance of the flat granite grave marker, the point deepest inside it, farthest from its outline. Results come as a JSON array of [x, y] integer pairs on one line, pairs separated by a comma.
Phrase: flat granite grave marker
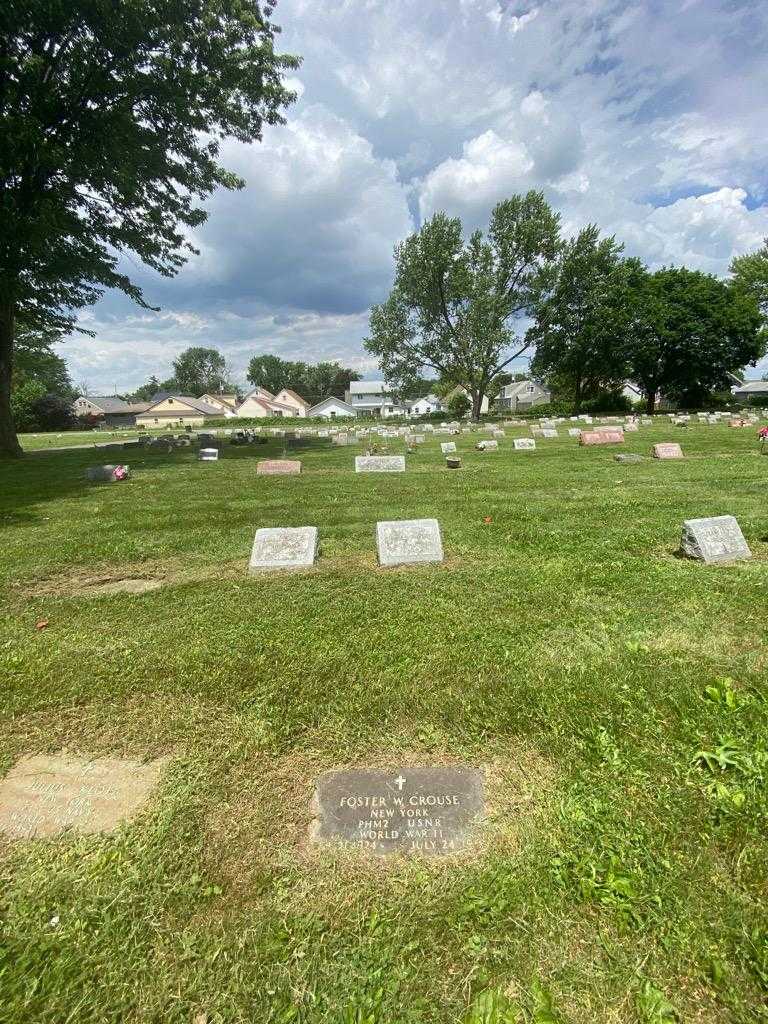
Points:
[[208, 455], [549, 432], [524, 444], [404, 541], [430, 811], [714, 539], [48, 794], [446, 447], [283, 547], [108, 473], [278, 467], [629, 457], [379, 463], [667, 450], [487, 446]]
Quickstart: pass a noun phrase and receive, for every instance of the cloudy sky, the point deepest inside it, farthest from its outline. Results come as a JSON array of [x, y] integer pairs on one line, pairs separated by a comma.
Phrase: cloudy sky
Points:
[[647, 117]]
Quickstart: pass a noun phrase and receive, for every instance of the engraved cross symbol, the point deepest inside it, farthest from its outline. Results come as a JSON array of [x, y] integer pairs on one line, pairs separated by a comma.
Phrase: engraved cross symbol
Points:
[[400, 782]]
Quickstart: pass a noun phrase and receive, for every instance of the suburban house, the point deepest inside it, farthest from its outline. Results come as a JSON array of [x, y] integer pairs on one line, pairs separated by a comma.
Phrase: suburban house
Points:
[[260, 403], [373, 398], [293, 401], [332, 408], [226, 402], [461, 390], [521, 395], [113, 411], [749, 390], [427, 405], [178, 409]]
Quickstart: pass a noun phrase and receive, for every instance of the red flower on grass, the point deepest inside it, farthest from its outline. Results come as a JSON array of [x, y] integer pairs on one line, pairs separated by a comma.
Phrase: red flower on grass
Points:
[[487, 519]]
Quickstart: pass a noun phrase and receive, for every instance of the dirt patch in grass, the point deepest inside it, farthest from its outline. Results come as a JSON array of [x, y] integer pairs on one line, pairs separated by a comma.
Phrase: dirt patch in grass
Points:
[[263, 824], [137, 578]]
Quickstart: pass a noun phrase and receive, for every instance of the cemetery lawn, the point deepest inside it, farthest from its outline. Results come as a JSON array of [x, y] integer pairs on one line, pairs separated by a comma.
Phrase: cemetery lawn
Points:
[[614, 694]]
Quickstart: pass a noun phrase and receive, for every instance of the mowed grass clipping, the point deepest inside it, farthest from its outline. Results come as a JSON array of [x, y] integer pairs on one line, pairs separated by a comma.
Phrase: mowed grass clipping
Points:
[[614, 694]]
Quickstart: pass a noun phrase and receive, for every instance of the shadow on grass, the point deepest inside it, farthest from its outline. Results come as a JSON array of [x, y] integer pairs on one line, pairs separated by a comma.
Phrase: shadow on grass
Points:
[[43, 475]]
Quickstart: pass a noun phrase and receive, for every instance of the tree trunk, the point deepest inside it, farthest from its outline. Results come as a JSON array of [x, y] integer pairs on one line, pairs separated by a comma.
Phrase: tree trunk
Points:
[[577, 397], [9, 443], [477, 404], [650, 402]]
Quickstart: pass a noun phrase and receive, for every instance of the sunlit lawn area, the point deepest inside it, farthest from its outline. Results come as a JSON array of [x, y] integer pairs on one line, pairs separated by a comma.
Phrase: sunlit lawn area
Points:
[[562, 647]]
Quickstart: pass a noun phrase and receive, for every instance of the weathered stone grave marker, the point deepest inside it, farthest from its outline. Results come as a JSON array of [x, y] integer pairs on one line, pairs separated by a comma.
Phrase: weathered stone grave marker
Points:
[[446, 447], [379, 463], [278, 467], [524, 444], [667, 450], [628, 457], [714, 539], [405, 541], [549, 432], [108, 473], [590, 437], [487, 446], [286, 547], [430, 811], [48, 794]]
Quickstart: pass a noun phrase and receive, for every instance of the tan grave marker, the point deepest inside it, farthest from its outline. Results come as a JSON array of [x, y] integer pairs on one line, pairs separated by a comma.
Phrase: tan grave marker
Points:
[[49, 794], [589, 437], [278, 467], [667, 450]]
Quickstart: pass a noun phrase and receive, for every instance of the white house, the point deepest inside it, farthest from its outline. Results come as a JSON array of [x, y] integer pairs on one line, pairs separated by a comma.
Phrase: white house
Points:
[[332, 408], [293, 401], [177, 410], [373, 398], [260, 403], [112, 410], [461, 390], [750, 389], [522, 394], [226, 402], [425, 406]]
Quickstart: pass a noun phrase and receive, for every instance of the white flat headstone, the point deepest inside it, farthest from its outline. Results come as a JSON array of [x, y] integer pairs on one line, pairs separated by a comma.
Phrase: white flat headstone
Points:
[[208, 455], [574, 432], [524, 444], [714, 539], [447, 447], [487, 446], [549, 432], [379, 463], [284, 547], [409, 540]]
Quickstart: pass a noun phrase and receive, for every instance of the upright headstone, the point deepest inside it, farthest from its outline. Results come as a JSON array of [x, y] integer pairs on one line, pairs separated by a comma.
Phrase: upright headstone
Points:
[[48, 794], [446, 447], [667, 450], [574, 432], [524, 444], [208, 455], [431, 811], [406, 541], [283, 548], [379, 463], [487, 446], [278, 467], [590, 437], [109, 473], [549, 432], [714, 539]]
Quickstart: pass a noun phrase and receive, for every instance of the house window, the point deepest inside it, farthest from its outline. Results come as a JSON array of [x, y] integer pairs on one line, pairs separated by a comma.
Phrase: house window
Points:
[[333, 413], [531, 389]]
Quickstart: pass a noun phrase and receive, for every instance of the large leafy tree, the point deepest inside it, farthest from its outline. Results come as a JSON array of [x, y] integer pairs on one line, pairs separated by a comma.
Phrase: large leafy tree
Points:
[[750, 275], [455, 303], [111, 118], [581, 327], [690, 330], [313, 381], [35, 360], [198, 370]]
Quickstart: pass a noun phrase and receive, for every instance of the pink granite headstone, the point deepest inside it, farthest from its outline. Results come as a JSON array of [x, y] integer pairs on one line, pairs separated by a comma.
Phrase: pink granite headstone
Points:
[[278, 467], [667, 450]]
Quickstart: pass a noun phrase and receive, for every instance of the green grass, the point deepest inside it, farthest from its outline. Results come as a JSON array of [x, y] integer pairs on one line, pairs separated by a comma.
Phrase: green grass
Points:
[[562, 646]]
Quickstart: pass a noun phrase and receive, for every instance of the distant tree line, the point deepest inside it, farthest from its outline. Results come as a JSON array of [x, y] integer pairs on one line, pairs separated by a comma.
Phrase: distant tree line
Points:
[[465, 309]]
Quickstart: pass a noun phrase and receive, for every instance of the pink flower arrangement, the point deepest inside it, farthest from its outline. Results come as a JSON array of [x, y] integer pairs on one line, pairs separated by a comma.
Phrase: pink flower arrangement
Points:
[[120, 473], [763, 433]]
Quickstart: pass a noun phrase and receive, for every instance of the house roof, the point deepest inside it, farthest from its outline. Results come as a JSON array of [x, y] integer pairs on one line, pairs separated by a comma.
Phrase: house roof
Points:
[[332, 400], [108, 403], [209, 396], [194, 403], [259, 392], [287, 391], [520, 387], [752, 387]]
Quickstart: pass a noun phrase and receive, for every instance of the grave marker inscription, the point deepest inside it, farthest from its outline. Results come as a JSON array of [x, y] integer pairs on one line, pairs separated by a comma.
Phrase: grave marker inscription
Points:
[[404, 541], [430, 811], [48, 794], [283, 548], [714, 539], [379, 463]]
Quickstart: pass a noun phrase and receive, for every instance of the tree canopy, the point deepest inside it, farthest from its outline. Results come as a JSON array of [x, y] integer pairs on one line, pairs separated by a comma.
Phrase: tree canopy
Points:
[[111, 120], [582, 325], [199, 370], [313, 381], [455, 304]]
